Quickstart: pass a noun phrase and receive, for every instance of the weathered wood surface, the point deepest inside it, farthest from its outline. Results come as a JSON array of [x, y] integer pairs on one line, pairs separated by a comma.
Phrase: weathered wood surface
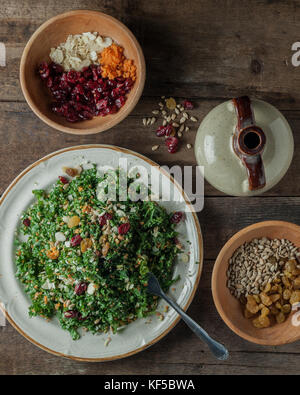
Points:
[[207, 50]]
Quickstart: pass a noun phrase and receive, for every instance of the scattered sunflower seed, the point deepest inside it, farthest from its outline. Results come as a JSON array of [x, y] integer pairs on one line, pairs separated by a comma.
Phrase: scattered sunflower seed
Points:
[[175, 124], [153, 119], [179, 134], [155, 147], [194, 119], [155, 112], [144, 121], [188, 146], [182, 119]]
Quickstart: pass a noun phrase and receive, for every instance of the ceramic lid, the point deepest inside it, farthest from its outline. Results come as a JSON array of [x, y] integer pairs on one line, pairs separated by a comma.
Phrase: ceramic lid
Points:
[[224, 168]]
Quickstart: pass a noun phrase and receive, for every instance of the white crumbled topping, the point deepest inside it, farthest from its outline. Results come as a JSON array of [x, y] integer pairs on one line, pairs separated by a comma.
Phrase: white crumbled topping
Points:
[[91, 289], [59, 236], [79, 50], [48, 285]]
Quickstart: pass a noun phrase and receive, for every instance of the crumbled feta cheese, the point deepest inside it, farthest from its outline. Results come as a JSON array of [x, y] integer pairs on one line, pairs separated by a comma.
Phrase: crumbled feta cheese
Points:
[[79, 50], [59, 236]]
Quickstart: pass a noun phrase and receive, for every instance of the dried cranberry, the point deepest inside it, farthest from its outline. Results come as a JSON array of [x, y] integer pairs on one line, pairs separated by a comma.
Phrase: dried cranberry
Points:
[[64, 180], [188, 105], [75, 241], [44, 70], [80, 288], [80, 318], [160, 132], [120, 101], [56, 68], [104, 218], [176, 217], [83, 95], [26, 222], [167, 130], [172, 144], [72, 76], [71, 314], [124, 228], [49, 82]]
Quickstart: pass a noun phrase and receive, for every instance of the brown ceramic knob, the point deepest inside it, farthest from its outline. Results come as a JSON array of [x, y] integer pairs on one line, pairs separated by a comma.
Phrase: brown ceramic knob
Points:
[[248, 143]]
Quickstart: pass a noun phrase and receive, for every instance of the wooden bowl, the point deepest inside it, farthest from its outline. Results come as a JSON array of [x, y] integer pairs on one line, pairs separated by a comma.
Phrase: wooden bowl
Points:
[[230, 308], [51, 34]]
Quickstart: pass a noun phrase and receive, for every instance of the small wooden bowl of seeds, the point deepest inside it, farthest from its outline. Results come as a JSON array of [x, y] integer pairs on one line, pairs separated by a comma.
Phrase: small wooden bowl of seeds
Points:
[[256, 283]]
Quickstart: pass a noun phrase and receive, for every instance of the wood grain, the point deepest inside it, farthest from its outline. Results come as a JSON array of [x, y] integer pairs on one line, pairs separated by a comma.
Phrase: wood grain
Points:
[[208, 51]]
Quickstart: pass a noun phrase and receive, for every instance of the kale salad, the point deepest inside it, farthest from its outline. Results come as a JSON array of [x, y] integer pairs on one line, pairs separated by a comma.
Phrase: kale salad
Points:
[[85, 260]]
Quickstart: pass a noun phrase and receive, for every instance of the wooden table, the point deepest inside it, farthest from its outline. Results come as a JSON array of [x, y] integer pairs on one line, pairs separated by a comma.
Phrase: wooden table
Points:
[[208, 51]]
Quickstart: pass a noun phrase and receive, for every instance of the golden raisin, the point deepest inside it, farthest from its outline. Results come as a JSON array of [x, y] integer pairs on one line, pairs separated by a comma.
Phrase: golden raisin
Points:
[[295, 297], [266, 300], [73, 221], [280, 318]]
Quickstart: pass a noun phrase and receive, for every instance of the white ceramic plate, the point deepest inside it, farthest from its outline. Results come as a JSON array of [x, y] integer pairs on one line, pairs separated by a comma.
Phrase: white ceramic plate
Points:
[[48, 335]]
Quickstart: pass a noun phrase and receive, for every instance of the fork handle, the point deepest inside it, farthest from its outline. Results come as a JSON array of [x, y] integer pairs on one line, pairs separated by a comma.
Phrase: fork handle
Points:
[[218, 350]]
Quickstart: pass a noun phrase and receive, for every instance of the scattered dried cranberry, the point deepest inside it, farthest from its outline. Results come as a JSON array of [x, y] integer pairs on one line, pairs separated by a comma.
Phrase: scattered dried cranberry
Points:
[[167, 130], [64, 180], [80, 288], [82, 95], [75, 241], [104, 218], [26, 222], [177, 217], [71, 314], [124, 228], [188, 105], [172, 144]]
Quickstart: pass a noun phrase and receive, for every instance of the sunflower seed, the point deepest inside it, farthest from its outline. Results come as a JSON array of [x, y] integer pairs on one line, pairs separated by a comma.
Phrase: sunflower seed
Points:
[[155, 147], [144, 121], [194, 119]]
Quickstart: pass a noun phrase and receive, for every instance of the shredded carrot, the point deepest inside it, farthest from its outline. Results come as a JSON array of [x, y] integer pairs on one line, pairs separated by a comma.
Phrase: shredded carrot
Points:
[[114, 64]]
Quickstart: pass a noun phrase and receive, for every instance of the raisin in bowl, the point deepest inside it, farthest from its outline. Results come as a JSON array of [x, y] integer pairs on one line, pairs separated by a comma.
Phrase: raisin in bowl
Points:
[[81, 102]]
